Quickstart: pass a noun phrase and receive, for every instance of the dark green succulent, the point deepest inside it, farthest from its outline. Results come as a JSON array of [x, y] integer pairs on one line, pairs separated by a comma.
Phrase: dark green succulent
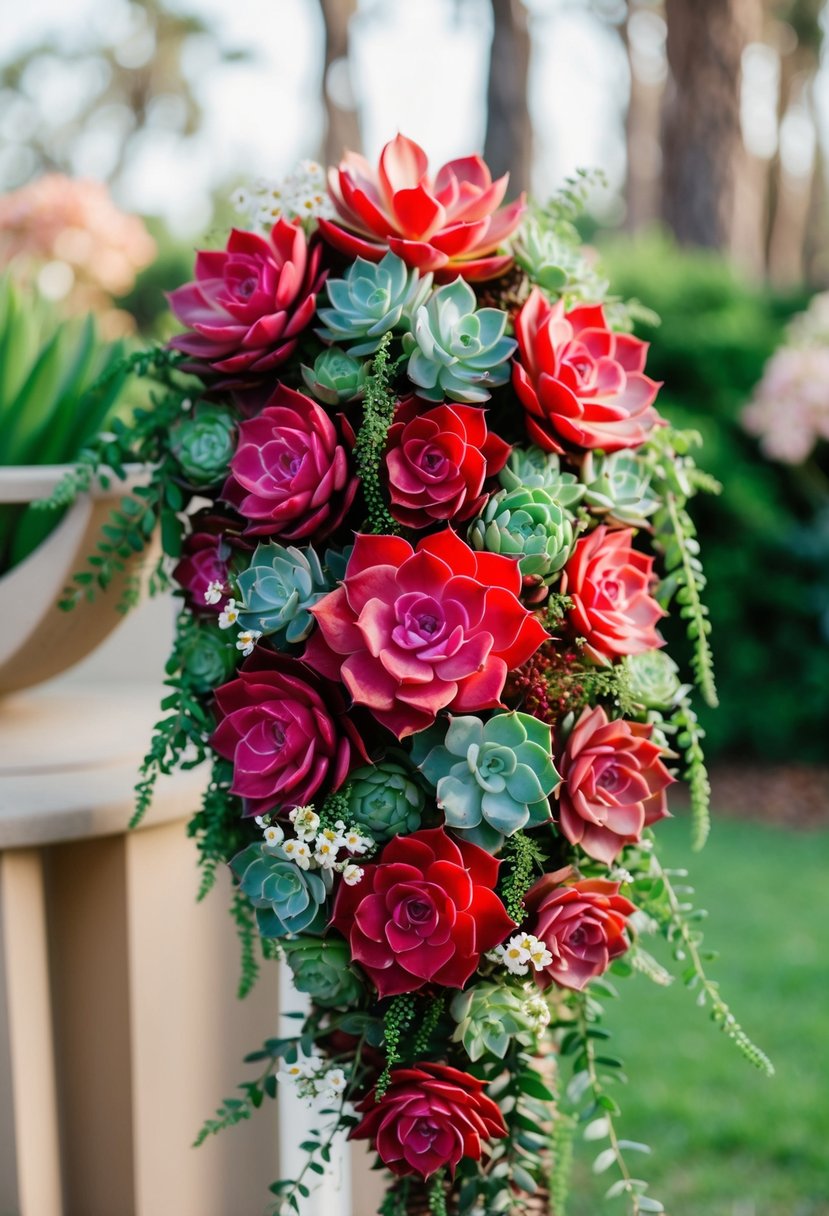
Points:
[[322, 970], [386, 798], [203, 443], [286, 899], [208, 658], [336, 377], [530, 525], [371, 300]]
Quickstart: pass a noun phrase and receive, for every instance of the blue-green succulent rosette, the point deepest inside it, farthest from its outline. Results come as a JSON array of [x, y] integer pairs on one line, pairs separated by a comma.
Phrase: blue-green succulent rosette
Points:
[[491, 779], [287, 899], [278, 591]]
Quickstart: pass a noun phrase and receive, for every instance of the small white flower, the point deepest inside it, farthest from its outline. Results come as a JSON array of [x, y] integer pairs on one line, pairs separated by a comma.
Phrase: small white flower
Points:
[[298, 852], [325, 854], [293, 1072], [334, 836], [305, 820], [260, 821], [352, 874], [539, 955], [355, 843], [230, 615], [214, 592], [337, 1080], [240, 199], [514, 955], [274, 836], [247, 640]]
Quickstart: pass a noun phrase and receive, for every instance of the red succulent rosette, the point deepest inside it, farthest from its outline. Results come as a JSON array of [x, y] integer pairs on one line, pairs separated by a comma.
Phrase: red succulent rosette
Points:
[[609, 584], [423, 914], [412, 632], [451, 224], [249, 303], [583, 925], [613, 784], [437, 462], [582, 385], [286, 731], [291, 474], [428, 1119], [205, 559]]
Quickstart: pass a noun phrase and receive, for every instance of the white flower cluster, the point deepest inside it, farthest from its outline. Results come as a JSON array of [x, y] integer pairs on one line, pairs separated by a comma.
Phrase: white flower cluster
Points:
[[301, 195], [520, 952], [538, 1012], [228, 617], [314, 1079], [313, 847]]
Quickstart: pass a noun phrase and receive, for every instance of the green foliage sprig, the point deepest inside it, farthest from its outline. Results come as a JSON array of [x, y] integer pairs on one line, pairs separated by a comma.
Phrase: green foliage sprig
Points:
[[522, 856], [689, 736], [369, 450], [236, 1110], [679, 921], [397, 1019]]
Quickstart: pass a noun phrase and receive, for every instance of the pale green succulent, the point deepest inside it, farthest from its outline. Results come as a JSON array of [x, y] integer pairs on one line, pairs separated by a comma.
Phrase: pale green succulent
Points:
[[371, 300], [286, 899], [336, 377], [530, 525], [491, 1016], [491, 779], [536, 469], [619, 484], [455, 351], [653, 679], [322, 970], [278, 590], [386, 799], [556, 262]]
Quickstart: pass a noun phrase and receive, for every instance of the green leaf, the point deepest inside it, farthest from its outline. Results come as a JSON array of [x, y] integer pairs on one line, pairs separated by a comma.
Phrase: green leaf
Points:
[[605, 1159]]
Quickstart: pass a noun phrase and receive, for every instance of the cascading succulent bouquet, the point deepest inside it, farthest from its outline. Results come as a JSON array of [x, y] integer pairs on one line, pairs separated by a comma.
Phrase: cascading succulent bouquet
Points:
[[414, 493]]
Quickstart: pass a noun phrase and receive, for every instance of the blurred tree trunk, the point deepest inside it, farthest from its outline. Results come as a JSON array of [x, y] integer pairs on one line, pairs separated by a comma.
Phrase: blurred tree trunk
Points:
[[342, 125], [508, 146], [642, 131], [702, 140]]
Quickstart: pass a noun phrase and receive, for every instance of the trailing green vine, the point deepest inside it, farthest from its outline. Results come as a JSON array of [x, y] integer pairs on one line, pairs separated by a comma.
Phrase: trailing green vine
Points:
[[378, 411], [689, 736]]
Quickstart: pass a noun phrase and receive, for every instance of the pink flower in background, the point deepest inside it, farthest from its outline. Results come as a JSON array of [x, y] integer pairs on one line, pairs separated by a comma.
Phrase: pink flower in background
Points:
[[291, 474], [613, 783], [789, 412], [248, 304], [423, 914], [437, 462], [582, 385], [582, 924], [609, 583], [286, 732], [451, 224], [413, 632], [428, 1119]]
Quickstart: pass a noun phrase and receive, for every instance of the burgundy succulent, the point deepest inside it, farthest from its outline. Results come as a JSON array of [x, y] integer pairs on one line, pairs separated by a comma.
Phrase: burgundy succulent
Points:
[[437, 462], [248, 304], [291, 474], [286, 731], [205, 560], [582, 924]]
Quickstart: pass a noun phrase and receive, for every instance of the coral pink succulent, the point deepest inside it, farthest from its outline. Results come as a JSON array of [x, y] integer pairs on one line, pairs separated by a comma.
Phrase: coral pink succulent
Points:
[[425, 913], [581, 384], [437, 462], [451, 224], [249, 303], [291, 474], [582, 924], [613, 783], [609, 584], [413, 632]]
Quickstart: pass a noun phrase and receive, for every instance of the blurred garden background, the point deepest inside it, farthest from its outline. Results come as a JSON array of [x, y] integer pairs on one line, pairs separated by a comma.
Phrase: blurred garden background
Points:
[[126, 128]]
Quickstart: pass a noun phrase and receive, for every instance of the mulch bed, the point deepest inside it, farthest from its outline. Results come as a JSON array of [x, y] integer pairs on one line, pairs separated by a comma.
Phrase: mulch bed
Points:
[[790, 795]]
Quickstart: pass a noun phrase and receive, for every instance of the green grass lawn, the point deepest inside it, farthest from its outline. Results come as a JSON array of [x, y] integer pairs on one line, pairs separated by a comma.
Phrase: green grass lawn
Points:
[[726, 1140]]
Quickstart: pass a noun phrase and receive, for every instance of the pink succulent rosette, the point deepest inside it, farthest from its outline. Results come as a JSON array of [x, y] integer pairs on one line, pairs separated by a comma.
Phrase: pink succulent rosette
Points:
[[424, 914], [286, 732], [411, 632], [582, 385], [249, 303], [437, 462], [451, 224], [291, 473], [428, 1119], [609, 584], [583, 925], [613, 784]]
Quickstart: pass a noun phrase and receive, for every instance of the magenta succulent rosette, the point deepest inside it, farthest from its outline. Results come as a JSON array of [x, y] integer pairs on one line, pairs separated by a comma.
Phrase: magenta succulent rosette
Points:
[[440, 761]]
